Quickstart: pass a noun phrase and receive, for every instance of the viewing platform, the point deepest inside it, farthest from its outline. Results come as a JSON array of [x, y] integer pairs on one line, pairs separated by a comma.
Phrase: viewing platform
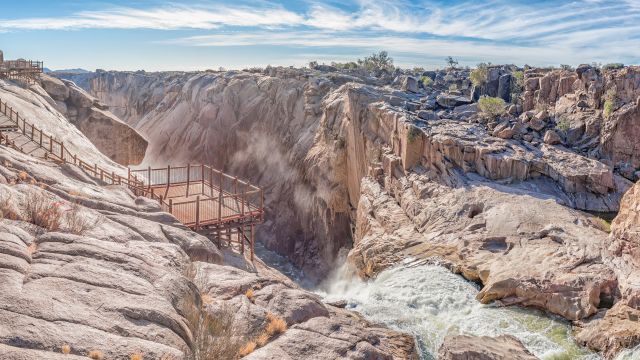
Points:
[[21, 69], [204, 199]]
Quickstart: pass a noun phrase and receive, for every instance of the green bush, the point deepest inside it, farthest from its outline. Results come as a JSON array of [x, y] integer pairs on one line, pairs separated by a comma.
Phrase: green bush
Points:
[[563, 124], [378, 61], [612, 66], [491, 107], [426, 81], [479, 75], [413, 134], [608, 107]]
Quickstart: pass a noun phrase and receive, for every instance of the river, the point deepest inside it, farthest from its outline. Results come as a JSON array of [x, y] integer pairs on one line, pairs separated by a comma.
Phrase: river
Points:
[[430, 302]]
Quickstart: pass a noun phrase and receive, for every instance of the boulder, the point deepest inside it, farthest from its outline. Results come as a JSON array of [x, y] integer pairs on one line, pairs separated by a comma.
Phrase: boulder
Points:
[[536, 124], [410, 84], [466, 347], [427, 115], [54, 87], [451, 101], [504, 87], [551, 137]]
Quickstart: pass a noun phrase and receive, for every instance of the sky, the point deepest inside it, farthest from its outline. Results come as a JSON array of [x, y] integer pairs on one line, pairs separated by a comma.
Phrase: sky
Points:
[[197, 35]]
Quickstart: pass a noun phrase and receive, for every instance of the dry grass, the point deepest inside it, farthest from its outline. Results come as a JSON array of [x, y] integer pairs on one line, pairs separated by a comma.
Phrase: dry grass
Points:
[[7, 208], [136, 356], [263, 339], [66, 349], [23, 176], [32, 248], [206, 299], [247, 349], [78, 223], [96, 355], [249, 294], [40, 210], [275, 325], [213, 333]]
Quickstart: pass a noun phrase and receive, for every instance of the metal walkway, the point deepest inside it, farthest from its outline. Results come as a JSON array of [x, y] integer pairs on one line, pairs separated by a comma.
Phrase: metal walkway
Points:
[[202, 198]]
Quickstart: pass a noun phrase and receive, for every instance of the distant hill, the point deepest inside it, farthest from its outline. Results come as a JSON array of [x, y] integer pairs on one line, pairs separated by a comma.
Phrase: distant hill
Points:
[[68, 71]]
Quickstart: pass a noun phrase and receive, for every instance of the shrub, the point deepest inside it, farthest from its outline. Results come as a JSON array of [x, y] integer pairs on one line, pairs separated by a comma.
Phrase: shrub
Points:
[[7, 208], [23, 176], [451, 62], [42, 211], [566, 67], [608, 108], [612, 66], [563, 124], [426, 81], [275, 325], [96, 355], [479, 75], [78, 223], [247, 349], [249, 294], [212, 333], [377, 61], [263, 339], [65, 349], [413, 133], [491, 107], [136, 356]]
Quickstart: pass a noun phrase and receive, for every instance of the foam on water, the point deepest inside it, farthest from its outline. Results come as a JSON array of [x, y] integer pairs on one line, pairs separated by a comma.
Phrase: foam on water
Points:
[[430, 302]]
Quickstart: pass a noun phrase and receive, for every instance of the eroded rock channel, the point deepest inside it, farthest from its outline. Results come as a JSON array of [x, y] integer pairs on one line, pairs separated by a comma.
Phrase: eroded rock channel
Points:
[[393, 169]]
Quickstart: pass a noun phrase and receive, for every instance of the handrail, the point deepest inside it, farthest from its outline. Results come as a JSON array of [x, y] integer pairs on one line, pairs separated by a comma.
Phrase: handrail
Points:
[[216, 185]]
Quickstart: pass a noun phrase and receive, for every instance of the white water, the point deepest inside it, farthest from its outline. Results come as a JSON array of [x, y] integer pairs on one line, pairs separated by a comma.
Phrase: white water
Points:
[[430, 302]]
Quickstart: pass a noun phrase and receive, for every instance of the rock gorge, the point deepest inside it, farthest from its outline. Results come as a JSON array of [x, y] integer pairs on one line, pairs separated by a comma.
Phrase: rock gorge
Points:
[[392, 168]]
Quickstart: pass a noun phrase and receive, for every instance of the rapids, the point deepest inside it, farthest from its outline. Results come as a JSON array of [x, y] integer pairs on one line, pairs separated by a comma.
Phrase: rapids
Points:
[[430, 302]]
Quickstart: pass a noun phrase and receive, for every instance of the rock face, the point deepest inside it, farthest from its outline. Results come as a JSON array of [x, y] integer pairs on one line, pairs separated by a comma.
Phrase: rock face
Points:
[[464, 347], [333, 155], [110, 273], [111, 136]]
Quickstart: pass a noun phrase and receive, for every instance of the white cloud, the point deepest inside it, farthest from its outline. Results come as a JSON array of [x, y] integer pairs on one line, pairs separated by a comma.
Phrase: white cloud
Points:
[[165, 18], [496, 30]]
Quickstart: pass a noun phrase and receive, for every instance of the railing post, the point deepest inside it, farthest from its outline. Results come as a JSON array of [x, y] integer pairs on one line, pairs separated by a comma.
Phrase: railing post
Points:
[[261, 205], [252, 241], [220, 198], [40, 138], [211, 180], [188, 177], [244, 191], [197, 212], [241, 236], [101, 175], [202, 177], [62, 151], [168, 177], [170, 206]]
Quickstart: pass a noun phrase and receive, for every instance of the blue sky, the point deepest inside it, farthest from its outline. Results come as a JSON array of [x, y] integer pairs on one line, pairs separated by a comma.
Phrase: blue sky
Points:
[[193, 35]]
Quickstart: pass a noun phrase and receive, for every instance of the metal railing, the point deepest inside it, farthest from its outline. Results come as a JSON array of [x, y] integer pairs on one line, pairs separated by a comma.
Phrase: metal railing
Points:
[[197, 195]]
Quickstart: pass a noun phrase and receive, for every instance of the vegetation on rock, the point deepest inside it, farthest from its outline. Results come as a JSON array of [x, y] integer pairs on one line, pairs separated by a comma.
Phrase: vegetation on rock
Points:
[[491, 107]]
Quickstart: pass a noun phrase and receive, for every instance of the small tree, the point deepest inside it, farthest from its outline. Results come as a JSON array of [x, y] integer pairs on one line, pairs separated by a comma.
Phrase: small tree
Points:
[[426, 81], [377, 61], [612, 66], [479, 75], [491, 107], [451, 61]]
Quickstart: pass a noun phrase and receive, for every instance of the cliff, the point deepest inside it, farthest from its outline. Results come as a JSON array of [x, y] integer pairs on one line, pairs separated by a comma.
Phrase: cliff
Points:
[[88, 268], [401, 170]]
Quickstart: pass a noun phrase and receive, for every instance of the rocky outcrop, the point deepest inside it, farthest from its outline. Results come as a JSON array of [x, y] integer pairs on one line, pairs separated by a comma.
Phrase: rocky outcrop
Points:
[[464, 347], [111, 136], [334, 155], [87, 268]]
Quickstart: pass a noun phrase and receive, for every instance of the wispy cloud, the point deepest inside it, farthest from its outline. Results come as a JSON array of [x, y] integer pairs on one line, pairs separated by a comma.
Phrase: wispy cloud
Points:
[[501, 30], [172, 17]]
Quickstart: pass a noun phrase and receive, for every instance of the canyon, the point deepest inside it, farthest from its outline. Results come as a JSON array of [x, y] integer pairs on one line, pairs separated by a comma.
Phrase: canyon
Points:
[[386, 167], [392, 169]]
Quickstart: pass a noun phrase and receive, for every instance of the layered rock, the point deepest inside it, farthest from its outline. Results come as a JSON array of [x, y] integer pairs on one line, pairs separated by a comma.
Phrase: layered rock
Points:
[[109, 273], [120, 142], [499, 211]]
